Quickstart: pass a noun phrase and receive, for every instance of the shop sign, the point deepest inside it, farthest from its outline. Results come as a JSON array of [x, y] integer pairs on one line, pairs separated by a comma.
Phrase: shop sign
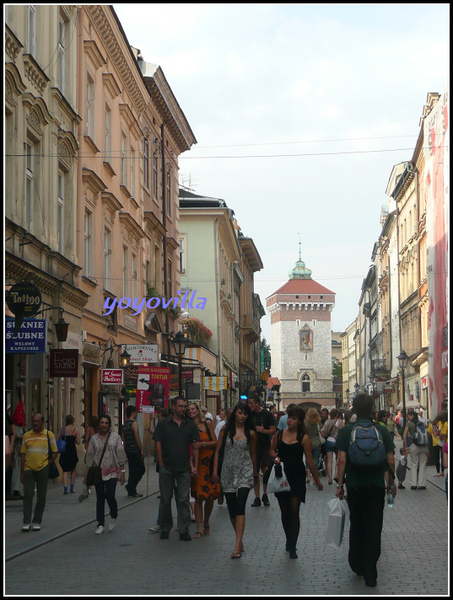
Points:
[[112, 377], [23, 300], [30, 338], [153, 388], [63, 363], [142, 353]]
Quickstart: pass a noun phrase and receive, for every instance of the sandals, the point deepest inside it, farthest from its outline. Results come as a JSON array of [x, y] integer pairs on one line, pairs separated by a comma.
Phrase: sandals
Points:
[[198, 535], [236, 555]]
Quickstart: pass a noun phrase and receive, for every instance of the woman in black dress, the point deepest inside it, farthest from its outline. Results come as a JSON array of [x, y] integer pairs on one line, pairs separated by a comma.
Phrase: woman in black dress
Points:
[[69, 458], [288, 447]]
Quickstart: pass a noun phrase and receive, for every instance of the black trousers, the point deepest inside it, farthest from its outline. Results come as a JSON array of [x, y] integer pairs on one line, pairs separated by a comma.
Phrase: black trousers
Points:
[[366, 514], [136, 471]]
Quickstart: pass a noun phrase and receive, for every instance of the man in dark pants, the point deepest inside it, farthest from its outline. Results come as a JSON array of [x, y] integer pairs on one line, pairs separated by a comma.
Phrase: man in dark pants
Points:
[[35, 470], [174, 437], [366, 488], [134, 452], [265, 429]]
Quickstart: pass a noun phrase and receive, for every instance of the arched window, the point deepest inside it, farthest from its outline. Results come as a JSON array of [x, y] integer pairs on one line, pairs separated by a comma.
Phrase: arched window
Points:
[[305, 383]]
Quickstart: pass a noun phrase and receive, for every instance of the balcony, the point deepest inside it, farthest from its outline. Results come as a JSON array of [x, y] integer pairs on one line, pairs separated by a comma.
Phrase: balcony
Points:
[[379, 367], [250, 327]]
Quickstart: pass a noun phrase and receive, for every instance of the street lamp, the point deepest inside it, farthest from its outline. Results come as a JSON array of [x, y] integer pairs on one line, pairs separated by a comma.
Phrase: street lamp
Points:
[[247, 378], [402, 359], [356, 387], [179, 342]]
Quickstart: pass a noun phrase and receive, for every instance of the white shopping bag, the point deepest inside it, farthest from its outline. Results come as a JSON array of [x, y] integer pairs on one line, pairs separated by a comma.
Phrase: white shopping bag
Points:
[[335, 523], [278, 484]]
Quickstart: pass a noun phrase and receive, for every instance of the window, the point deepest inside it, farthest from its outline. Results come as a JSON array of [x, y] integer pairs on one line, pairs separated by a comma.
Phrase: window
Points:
[[107, 134], [168, 194], [30, 185], [87, 242], [61, 55], [107, 257], [31, 29], [125, 270], [123, 159], [146, 163], [182, 254], [155, 182], [132, 172], [90, 106], [60, 212], [305, 383], [134, 277]]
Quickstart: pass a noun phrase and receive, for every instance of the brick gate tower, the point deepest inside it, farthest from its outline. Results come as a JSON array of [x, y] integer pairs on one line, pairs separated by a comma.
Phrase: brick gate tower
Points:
[[301, 339]]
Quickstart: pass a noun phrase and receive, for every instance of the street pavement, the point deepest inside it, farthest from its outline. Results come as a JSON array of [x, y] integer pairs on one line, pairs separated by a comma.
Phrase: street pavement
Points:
[[66, 558]]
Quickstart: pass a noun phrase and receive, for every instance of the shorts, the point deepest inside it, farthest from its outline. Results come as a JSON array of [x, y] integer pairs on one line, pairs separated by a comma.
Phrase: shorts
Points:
[[263, 458], [330, 446]]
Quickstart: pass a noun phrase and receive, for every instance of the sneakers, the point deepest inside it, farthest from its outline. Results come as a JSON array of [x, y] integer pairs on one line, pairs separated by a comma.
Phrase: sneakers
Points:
[[112, 524], [135, 495], [401, 487], [164, 535], [36, 527], [99, 530], [185, 537], [266, 500], [256, 502], [26, 527], [155, 529]]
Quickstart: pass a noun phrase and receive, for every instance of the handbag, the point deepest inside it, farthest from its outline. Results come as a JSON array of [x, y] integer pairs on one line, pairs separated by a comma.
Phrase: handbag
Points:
[[335, 523], [61, 443], [94, 473], [53, 469], [278, 481]]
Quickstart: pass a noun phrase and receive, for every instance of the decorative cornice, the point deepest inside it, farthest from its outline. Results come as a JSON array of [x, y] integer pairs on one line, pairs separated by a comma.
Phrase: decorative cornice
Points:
[[34, 73], [12, 45]]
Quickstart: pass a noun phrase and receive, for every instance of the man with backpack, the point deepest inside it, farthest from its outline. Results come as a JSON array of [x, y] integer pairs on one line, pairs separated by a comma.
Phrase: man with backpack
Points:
[[365, 453], [415, 438]]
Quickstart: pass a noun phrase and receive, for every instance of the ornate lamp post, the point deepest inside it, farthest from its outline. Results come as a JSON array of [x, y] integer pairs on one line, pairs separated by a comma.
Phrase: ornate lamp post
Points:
[[179, 342], [402, 359]]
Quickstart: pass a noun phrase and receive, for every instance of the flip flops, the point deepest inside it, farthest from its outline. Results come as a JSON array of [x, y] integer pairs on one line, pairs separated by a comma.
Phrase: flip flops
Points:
[[198, 535], [236, 555]]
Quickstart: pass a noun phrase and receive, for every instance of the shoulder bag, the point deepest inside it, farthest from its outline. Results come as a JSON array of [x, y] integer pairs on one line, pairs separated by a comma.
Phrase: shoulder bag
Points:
[[53, 469], [94, 473], [61, 442]]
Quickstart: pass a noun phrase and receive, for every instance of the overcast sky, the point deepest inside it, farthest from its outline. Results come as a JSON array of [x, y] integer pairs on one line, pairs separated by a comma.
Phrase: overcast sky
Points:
[[300, 112]]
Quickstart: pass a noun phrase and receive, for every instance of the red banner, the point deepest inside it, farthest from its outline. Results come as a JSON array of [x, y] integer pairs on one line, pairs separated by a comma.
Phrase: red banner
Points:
[[153, 388]]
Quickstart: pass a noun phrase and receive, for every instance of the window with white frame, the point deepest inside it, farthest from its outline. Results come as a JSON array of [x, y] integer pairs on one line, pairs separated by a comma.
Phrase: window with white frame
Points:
[[305, 383], [123, 159], [169, 193], [134, 276], [60, 212], [31, 29], [62, 55], [155, 174], [125, 271], [107, 257], [90, 106], [30, 185], [146, 163], [107, 134], [87, 242], [182, 254]]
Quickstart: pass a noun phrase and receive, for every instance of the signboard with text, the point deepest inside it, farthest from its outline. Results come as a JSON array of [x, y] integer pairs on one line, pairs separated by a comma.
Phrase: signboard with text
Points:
[[153, 388], [31, 337], [63, 363], [112, 377], [142, 353]]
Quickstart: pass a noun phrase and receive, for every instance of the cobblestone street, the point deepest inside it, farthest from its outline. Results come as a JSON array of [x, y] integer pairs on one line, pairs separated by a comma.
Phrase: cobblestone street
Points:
[[132, 561]]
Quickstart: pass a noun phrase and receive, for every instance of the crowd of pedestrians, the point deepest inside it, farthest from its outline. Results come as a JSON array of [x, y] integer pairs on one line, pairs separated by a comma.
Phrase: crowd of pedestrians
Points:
[[204, 459]]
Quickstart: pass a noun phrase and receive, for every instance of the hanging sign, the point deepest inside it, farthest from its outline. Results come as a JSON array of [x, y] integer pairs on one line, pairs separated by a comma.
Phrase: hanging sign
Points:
[[153, 388], [23, 300], [63, 363], [112, 377], [29, 338]]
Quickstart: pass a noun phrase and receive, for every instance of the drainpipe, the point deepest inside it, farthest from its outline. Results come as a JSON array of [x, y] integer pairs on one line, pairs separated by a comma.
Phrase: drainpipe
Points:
[[164, 223], [217, 290]]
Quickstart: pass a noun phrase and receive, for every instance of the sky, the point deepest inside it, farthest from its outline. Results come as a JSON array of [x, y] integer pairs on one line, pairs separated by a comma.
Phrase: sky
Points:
[[300, 112]]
